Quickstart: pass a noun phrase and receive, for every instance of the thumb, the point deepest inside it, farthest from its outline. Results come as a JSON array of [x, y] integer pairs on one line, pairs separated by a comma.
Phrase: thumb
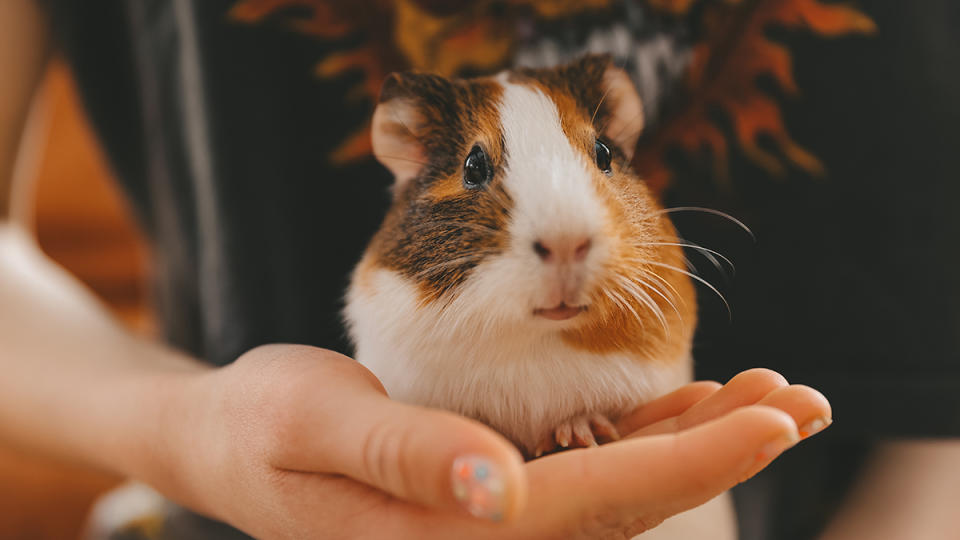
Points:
[[435, 458], [426, 456]]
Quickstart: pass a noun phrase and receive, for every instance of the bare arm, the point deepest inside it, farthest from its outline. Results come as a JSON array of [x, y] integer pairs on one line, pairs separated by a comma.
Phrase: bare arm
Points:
[[58, 345]]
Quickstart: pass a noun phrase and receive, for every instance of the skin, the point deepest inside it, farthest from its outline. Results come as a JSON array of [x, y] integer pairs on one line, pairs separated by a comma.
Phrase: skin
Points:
[[292, 441]]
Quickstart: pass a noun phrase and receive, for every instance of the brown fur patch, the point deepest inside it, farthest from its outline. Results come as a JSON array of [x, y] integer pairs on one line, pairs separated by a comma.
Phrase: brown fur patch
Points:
[[612, 328], [438, 230]]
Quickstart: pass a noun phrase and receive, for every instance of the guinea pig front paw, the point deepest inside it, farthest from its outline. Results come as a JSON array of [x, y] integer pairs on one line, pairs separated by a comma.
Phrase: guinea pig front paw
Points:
[[578, 432]]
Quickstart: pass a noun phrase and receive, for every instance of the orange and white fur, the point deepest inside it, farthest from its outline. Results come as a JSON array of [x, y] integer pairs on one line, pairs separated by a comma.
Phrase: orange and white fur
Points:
[[524, 276]]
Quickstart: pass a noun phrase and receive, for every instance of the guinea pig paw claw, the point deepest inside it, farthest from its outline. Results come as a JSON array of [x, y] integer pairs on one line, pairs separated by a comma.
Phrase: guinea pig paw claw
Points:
[[582, 432], [585, 431], [603, 428], [564, 434], [546, 445]]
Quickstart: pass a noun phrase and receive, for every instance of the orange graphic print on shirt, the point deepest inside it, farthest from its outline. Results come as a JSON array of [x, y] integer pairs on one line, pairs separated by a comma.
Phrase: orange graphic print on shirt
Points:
[[460, 37]]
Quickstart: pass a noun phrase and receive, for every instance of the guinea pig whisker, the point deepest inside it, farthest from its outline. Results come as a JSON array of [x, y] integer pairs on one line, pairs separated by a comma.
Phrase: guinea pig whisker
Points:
[[597, 108], [643, 283], [659, 282], [658, 277], [401, 158], [690, 266], [708, 253], [724, 215], [455, 224], [711, 256], [626, 125], [651, 302], [399, 120], [613, 300], [462, 256], [727, 276], [697, 278], [446, 265], [626, 305], [643, 298]]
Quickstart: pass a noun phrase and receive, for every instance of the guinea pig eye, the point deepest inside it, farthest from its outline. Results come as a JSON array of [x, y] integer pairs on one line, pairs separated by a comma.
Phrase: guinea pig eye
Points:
[[603, 156], [476, 169]]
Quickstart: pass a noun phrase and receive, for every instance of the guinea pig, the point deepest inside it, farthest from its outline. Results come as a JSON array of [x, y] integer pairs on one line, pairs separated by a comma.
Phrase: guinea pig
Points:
[[525, 276]]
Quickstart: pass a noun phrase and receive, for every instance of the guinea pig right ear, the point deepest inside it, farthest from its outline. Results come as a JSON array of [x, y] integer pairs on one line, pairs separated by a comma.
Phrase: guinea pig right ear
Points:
[[624, 109], [618, 110], [398, 128]]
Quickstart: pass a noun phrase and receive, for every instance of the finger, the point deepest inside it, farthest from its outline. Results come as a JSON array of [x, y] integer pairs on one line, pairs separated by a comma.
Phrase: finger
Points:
[[746, 388], [667, 406], [422, 455], [652, 478], [808, 407]]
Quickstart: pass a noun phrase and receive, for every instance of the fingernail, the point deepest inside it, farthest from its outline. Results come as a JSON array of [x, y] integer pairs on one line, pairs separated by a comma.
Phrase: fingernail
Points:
[[478, 487], [815, 426], [769, 451], [777, 446]]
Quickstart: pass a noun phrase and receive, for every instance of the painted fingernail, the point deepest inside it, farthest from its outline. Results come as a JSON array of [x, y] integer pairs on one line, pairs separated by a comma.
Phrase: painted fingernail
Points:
[[478, 486], [815, 426]]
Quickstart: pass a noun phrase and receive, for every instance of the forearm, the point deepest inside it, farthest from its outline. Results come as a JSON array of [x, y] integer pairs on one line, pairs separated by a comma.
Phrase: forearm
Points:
[[75, 384]]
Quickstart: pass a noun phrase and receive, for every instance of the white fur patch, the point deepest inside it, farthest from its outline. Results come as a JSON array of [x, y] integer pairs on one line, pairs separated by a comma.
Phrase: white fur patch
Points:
[[555, 198], [520, 382], [550, 182]]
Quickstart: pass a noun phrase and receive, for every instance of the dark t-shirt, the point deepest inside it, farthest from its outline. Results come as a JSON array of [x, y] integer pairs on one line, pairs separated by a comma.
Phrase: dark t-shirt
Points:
[[238, 130]]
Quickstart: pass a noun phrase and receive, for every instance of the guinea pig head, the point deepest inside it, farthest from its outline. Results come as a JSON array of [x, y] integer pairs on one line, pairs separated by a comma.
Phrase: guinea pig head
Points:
[[516, 210]]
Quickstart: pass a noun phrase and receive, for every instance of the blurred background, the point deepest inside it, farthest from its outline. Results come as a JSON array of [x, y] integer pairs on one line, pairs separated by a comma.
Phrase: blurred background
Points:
[[82, 221], [829, 127]]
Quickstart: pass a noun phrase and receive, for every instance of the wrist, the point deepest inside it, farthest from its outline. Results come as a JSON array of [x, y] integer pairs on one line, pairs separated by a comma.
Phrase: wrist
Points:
[[163, 437]]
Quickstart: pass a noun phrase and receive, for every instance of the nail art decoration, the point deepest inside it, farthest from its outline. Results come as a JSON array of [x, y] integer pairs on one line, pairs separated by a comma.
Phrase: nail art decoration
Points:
[[478, 486]]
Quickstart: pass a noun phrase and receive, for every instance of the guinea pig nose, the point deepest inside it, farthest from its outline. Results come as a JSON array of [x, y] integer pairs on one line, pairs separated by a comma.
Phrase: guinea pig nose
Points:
[[563, 248]]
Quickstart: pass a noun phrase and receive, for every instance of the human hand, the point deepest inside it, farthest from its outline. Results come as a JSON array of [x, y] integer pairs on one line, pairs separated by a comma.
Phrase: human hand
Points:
[[294, 442]]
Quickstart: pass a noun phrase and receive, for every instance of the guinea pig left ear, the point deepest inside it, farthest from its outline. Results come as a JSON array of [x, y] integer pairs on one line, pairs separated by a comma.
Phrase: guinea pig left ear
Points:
[[623, 119], [397, 129]]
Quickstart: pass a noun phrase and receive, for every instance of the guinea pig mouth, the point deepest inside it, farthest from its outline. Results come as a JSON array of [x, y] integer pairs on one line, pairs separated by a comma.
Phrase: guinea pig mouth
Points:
[[561, 312]]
